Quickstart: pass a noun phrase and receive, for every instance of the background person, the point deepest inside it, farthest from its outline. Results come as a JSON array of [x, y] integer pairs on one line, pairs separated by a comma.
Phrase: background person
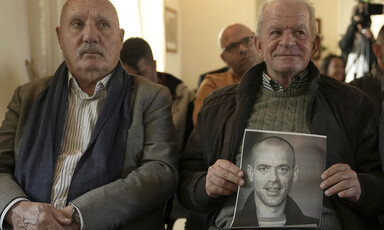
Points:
[[334, 67], [372, 83], [238, 52], [286, 93], [357, 42], [137, 58], [91, 147]]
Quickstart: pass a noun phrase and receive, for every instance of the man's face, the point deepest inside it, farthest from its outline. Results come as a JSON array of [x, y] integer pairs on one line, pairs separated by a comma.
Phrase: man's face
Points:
[[272, 173], [144, 69], [336, 69], [286, 42], [90, 37], [245, 55]]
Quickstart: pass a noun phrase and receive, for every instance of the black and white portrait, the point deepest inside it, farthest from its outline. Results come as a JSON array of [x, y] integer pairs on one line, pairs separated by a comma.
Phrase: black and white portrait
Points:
[[282, 176]]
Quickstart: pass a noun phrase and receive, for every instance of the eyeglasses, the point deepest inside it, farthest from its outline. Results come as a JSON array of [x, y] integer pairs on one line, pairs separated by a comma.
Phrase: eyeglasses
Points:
[[234, 47]]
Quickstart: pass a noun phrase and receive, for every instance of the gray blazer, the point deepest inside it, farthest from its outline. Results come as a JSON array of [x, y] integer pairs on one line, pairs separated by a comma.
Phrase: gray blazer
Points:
[[149, 176]]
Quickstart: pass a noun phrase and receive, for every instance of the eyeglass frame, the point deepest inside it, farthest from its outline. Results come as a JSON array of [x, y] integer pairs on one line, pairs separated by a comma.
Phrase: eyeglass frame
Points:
[[234, 46]]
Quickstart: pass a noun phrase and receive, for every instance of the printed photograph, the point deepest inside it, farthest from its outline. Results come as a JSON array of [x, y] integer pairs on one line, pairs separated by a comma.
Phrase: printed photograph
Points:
[[282, 178]]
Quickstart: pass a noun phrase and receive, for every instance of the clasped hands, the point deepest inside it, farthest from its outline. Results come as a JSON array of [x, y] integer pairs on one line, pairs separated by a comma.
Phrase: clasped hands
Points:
[[224, 177], [33, 215]]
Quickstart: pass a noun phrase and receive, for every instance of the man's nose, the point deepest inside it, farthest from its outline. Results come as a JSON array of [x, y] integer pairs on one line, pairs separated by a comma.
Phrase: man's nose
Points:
[[90, 33], [287, 39], [273, 176], [243, 48]]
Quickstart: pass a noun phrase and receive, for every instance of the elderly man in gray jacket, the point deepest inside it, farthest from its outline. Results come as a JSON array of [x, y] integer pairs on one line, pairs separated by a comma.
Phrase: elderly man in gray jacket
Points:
[[91, 147]]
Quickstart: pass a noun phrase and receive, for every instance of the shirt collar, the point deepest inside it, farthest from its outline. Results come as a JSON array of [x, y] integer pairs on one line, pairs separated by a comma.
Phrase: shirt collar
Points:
[[297, 82], [101, 85]]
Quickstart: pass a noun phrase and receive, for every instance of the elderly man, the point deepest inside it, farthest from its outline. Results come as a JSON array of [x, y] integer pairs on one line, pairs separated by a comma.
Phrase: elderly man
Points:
[[238, 52], [91, 147], [286, 93]]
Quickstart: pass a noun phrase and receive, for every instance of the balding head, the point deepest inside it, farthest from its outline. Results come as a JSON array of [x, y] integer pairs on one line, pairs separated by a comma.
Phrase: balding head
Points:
[[238, 48], [107, 5], [228, 33]]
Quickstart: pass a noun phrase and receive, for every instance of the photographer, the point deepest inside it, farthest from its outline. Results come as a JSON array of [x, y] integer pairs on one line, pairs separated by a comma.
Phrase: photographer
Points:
[[357, 42]]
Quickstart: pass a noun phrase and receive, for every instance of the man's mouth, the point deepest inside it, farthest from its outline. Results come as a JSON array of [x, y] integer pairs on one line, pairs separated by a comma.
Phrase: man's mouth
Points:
[[273, 191]]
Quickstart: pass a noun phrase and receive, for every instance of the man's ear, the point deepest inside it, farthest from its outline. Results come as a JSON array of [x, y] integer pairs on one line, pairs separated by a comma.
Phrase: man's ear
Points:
[[315, 45], [58, 34], [295, 173], [122, 35], [223, 57], [258, 46], [376, 48], [250, 172]]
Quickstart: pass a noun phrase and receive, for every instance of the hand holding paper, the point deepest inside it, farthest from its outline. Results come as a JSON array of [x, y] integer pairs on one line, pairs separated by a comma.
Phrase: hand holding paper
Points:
[[340, 179], [223, 178]]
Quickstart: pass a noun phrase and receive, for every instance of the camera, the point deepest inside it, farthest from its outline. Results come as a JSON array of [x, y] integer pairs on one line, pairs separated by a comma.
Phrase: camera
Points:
[[364, 10]]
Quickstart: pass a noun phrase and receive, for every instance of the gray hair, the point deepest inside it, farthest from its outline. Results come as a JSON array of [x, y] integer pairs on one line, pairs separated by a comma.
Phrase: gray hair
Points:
[[311, 11]]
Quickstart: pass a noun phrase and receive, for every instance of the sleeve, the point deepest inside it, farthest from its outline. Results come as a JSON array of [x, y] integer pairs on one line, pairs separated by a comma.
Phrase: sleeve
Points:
[[368, 166], [346, 42], [4, 213], [193, 172], [9, 189], [151, 180]]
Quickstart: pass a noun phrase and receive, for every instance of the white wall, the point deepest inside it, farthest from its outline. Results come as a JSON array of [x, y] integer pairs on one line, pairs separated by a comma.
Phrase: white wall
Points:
[[173, 60], [14, 48]]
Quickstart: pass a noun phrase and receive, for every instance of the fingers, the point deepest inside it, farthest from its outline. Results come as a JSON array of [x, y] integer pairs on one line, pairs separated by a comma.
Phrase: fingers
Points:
[[223, 178], [62, 216], [340, 179], [32, 215]]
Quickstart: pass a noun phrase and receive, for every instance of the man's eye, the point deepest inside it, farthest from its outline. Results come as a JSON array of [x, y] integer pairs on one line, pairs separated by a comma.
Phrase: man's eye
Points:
[[77, 23], [283, 170], [275, 34], [231, 47], [262, 169], [301, 34], [104, 25]]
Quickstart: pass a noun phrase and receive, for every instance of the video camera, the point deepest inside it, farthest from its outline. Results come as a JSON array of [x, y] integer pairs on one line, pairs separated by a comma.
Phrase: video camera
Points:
[[364, 10]]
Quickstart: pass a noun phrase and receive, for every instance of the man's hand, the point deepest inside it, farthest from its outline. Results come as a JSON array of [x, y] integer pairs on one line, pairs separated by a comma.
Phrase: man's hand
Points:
[[340, 179], [68, 211], [32, 215], [223, 178]]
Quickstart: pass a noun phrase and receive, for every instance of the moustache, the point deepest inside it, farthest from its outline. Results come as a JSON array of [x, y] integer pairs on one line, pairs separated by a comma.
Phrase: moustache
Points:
[[89, 48]]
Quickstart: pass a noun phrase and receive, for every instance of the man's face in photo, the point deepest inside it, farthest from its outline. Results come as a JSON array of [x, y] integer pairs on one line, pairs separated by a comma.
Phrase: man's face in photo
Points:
[[272, 173]]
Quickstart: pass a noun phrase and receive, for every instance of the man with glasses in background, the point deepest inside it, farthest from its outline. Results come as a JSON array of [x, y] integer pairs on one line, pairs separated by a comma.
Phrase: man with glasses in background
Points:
[[238, 52]]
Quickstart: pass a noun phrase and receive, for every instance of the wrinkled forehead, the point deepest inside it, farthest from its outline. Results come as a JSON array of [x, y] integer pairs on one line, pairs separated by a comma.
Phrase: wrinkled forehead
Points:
[[103, 9], [287, 10]]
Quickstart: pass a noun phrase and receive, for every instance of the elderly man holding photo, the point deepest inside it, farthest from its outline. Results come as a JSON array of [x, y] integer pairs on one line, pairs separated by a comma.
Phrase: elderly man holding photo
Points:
[[286, 93]]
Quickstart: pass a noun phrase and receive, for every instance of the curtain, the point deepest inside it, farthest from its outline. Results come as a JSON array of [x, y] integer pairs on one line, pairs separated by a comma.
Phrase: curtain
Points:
[[43, 17]]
